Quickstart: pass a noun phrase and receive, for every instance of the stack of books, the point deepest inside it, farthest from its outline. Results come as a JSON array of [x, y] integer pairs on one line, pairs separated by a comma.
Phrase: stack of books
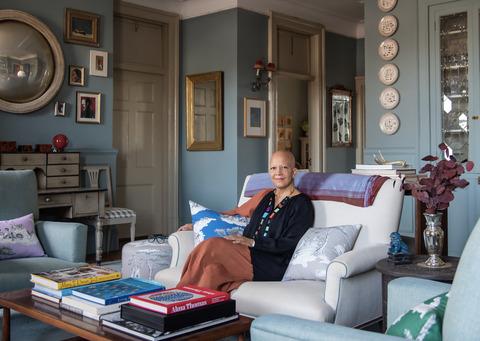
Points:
[[99, 299], [392, 171], [171, 312], [53, 286]]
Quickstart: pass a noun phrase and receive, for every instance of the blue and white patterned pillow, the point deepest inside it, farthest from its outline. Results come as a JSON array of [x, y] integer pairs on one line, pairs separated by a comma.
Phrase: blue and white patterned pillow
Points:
[[207, 223]]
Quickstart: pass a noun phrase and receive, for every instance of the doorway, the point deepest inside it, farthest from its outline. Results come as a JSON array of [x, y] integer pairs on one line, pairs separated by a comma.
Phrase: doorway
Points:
[[145, 115]]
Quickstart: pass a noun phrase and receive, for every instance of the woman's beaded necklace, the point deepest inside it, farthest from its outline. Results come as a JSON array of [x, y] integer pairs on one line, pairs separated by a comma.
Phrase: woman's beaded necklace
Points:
[[270, 213]]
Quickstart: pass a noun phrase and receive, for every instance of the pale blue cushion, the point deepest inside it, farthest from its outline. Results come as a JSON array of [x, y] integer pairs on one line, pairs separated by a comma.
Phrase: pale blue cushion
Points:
[[207, 223]]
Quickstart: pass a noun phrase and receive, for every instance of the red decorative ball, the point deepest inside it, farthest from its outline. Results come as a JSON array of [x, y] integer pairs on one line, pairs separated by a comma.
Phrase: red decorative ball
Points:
[[60, 141]]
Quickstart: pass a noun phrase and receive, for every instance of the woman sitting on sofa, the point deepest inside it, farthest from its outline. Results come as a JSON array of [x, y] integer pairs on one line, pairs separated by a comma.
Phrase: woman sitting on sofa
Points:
[[278, 222]]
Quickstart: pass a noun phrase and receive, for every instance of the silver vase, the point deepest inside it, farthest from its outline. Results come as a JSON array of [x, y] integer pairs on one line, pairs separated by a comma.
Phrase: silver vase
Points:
[[433, 237]]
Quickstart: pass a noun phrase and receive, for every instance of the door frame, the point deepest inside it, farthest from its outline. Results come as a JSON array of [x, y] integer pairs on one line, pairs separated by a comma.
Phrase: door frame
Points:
[[316, 84], [172, 23]]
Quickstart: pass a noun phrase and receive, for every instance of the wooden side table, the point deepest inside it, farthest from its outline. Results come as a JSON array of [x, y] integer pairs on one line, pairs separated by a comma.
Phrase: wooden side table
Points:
[[391, 271]]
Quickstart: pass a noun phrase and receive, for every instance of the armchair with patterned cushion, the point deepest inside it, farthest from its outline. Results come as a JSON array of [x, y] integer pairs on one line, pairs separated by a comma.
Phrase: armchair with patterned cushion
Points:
[[64, 244], [406, 294]]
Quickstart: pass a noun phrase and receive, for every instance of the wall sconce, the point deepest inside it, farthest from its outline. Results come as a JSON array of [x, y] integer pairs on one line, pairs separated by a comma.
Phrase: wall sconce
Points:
[[262, 70]]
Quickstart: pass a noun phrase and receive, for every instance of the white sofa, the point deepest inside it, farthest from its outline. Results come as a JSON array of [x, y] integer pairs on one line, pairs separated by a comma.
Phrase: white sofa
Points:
[[351, 295]]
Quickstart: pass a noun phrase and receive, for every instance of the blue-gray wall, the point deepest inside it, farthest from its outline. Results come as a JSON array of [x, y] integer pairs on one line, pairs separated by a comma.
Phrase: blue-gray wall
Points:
[[94, 141], [340, 69]]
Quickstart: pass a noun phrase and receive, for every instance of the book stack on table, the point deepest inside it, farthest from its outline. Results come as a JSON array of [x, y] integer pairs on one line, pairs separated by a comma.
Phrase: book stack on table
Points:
[[391, 171], [53, 286], [172, 312]]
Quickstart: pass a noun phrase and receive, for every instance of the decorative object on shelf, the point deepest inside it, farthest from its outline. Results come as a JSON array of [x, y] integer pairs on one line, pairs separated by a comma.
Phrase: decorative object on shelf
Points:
[[31, 60], [59, 141], [389, 123], [204, 106], [60, 109], [284, 132], [436, 192], [76, 75], [98, 63], [386, 5], [88, 107], [388, 74], [8, 146], [261, 70], [341, 116], [81, 27], [43, 148], [380, 160], [389, 98], [388, 25], [254, 117], [305, 128], [25, 148], [388, 49], [398, 252]]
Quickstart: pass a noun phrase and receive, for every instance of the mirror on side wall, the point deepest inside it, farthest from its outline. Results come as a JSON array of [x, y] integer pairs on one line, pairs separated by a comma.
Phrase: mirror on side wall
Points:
[[341, 117], [31, 63], [204, 105]]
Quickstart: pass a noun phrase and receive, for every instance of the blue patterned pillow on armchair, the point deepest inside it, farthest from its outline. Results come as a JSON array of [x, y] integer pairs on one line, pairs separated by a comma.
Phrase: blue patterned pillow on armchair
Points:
[[208, 223]]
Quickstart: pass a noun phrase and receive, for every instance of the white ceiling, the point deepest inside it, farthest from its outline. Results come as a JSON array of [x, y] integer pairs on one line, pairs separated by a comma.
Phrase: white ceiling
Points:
[[340, 16]]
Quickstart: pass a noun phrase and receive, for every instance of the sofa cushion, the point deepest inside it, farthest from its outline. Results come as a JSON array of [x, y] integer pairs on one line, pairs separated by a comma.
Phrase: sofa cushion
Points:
[[15, 273], [18, 238], [207, 223], [317, 248], [422, 322], [303, 299], [169, 277]]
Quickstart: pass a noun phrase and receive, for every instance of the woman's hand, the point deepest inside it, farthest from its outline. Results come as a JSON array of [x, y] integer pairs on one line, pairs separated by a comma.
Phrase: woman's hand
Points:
[[240, 240], [186, 227]]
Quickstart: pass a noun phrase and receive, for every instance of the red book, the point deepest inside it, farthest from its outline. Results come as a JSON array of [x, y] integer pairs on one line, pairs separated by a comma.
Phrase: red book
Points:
[[178, 299]]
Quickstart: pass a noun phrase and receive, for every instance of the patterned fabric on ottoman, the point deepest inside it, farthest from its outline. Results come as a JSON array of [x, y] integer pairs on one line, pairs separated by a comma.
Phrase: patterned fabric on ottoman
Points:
[[144, 258]]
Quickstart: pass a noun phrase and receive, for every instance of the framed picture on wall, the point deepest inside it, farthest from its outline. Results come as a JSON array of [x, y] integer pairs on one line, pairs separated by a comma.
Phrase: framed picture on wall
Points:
[[60, 109], [76, 75], [254, 117], [98, 63], [81, 27], [88, 107]]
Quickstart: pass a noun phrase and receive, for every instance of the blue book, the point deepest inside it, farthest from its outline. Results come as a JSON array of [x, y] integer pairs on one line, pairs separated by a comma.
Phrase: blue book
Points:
[[52, 292], [116, 291]]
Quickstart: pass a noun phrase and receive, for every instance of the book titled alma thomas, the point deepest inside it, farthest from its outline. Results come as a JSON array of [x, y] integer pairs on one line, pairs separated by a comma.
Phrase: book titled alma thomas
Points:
[[179, 299]]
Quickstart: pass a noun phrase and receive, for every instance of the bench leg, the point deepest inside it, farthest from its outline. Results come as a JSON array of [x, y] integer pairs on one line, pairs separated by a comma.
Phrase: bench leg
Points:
[[98, 242], [132, 232], [6, 324]]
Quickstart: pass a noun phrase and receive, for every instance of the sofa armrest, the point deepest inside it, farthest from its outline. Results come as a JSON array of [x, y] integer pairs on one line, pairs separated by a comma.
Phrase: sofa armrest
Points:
[[283, 328], [406, 292], [67, 241], [182, 244], [348, 265]]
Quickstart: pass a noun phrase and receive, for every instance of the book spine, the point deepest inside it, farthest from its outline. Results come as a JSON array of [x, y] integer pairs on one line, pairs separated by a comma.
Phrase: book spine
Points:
[[84, 281], [182, 306]]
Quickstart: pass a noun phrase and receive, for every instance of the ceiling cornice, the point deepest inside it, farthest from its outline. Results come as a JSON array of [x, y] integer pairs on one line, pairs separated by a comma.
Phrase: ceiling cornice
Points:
[[193, 8]]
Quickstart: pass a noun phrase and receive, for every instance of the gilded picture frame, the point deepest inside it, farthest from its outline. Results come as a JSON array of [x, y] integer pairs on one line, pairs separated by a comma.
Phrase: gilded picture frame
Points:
[[204, 106], [81, 27]]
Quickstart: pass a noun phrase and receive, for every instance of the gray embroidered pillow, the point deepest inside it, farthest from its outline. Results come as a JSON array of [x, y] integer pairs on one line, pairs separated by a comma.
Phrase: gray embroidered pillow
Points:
[[317, 248]]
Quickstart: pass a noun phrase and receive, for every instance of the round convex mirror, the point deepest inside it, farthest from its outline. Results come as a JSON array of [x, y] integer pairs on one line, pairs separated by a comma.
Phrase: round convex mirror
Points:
[[31, 63]]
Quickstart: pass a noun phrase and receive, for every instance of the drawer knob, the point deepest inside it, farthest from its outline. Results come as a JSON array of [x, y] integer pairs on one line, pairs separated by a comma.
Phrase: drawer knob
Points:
[[64, 158], [48, 199], [63, 170], [64, 182], [25, 158]]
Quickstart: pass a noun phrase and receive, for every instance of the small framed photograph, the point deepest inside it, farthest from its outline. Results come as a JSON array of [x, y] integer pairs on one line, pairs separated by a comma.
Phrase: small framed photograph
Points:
[[81, 27], [254, 118], [60, 109], [88, 107], [98, 63], [76, 75]]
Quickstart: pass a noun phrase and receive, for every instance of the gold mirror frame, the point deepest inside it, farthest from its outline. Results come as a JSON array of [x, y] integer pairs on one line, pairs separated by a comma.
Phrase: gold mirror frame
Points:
[[59, 63], [341, 117], [193, 119]]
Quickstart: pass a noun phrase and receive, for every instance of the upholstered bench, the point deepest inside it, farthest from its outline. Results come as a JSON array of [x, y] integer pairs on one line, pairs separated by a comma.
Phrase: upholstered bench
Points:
[[144, 258]]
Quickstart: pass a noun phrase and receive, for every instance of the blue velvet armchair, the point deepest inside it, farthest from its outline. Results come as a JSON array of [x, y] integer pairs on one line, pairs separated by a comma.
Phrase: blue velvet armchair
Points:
[[460, 322], [64, 243]]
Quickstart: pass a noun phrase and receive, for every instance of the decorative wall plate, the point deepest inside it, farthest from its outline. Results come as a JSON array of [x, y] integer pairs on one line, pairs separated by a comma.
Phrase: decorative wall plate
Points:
[[389, 123], [388, 25], [388, 49], [386, 5], [389, 98], [388, 74]]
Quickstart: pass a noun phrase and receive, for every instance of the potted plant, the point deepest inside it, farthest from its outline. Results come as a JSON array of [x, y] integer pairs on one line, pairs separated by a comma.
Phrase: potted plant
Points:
[[436, 192]]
